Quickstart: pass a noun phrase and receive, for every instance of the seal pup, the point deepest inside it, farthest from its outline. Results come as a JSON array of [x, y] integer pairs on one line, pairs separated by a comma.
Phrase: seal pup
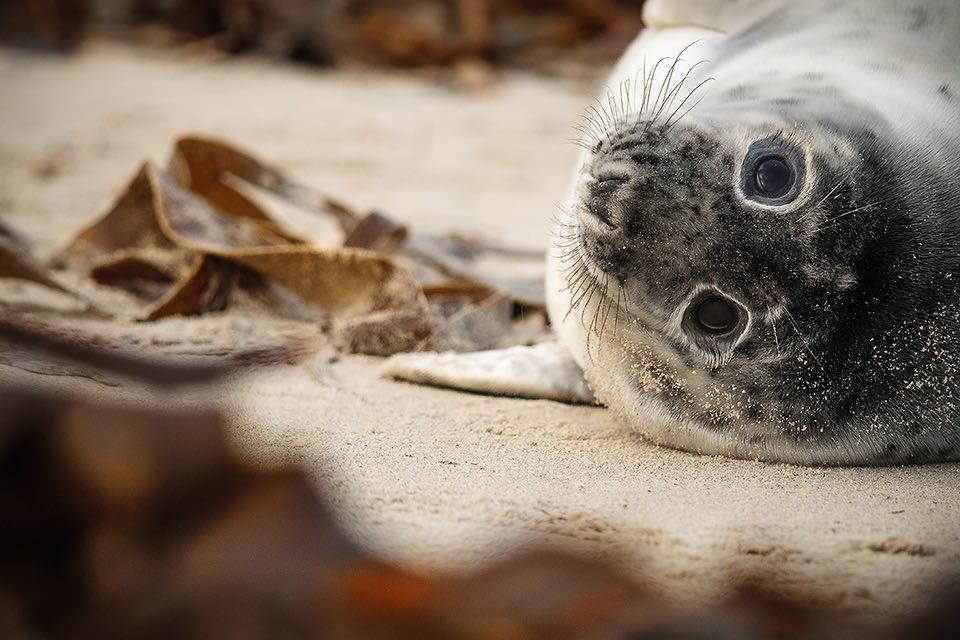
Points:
[[759, 255]]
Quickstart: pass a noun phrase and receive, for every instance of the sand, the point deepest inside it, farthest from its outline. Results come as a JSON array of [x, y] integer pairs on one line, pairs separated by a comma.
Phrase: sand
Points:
[[431, 478]]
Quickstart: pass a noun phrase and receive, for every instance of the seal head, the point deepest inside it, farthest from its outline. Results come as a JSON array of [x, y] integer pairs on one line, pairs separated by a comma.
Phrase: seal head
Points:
[[775, 272]]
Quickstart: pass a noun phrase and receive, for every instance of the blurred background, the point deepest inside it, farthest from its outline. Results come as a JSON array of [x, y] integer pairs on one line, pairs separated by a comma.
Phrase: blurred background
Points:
[[403, 105], [232, 466], [535, 34]]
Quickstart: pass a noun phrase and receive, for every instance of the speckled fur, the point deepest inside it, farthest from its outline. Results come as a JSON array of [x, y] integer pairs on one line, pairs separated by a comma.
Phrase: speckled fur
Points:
[[852, 353]]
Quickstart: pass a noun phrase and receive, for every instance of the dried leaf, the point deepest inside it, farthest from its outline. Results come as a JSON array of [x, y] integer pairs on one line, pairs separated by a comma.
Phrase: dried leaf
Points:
[[135, 272], [384, 334], [200, 164], [16, 265], [476, 326], [444, 258], [205, 288], [378, 233], [475, 292], [194, 222], [130, 223], [204, 166], [71, 346], [199, 242]]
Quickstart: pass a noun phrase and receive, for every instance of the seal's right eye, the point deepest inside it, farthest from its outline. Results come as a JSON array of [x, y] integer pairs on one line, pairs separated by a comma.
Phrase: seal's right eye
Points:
[[773, 172], [773, 177]]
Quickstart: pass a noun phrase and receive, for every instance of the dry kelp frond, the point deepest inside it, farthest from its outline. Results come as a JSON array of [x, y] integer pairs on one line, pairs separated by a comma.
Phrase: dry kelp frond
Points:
[[47, 344], [190, 235], [197, 238]]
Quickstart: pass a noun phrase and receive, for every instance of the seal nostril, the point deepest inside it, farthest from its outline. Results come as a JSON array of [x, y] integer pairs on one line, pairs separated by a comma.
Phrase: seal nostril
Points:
[[609, 185], [597, 206], [598, 200]]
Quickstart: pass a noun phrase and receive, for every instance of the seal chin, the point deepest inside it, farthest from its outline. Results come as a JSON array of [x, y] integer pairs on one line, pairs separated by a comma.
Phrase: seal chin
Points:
[[634, 374]]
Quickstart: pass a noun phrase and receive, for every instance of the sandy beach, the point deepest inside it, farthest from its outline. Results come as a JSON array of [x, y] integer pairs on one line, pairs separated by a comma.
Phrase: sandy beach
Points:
[[431, 478]]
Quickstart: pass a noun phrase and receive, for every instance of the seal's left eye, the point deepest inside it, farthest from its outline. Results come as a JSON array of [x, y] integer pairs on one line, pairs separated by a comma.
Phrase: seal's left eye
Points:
[[714, 322], [716, 315]]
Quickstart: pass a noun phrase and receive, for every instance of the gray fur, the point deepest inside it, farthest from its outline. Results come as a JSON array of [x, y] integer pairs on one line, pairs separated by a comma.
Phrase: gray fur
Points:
[[852, 349]]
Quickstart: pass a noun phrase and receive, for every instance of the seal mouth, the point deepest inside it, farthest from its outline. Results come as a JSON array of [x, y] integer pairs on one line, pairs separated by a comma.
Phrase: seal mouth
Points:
[[601, 298], [711, 323], [585, 282]]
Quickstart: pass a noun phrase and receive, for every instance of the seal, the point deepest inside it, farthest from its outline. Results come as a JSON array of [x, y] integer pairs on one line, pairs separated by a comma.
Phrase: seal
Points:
[[759, 256]]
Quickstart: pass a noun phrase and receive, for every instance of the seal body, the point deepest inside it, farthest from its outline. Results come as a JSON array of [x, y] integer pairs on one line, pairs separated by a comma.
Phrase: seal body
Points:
[[760, 252]]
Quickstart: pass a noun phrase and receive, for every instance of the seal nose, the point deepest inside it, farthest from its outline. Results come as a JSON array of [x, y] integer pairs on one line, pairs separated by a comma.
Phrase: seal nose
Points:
[[598, 199]]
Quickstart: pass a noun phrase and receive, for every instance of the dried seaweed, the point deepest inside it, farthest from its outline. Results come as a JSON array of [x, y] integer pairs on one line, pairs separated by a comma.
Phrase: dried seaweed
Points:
[[196, 238], [54, 344], [188, 234]]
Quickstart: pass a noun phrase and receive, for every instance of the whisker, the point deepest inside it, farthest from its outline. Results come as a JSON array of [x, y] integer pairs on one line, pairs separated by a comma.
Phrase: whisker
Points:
[[615, 114], [646, 92], [676, 90], [670, 125], [616, 315], [627, 102], [653, 75], [776, 338], [812, 210], [831, 221], [587, 131], [601, 117], [608, 307], [673, 92], [803, 338]]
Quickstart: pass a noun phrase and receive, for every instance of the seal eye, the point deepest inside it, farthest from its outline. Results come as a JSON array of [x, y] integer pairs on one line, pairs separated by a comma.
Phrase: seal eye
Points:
[[773, 172], [714, 323], [773, 177], [716, 315]]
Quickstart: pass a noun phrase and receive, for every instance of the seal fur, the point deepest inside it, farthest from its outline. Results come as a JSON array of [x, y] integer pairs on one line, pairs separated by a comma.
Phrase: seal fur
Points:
[[848, 349]]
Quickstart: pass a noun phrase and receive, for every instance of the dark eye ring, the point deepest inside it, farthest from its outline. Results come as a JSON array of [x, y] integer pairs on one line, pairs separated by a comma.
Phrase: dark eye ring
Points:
[[714, 323], [772, 173]]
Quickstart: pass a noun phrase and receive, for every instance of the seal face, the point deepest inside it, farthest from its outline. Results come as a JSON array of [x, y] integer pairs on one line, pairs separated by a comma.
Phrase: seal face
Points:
[[761, 254]]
